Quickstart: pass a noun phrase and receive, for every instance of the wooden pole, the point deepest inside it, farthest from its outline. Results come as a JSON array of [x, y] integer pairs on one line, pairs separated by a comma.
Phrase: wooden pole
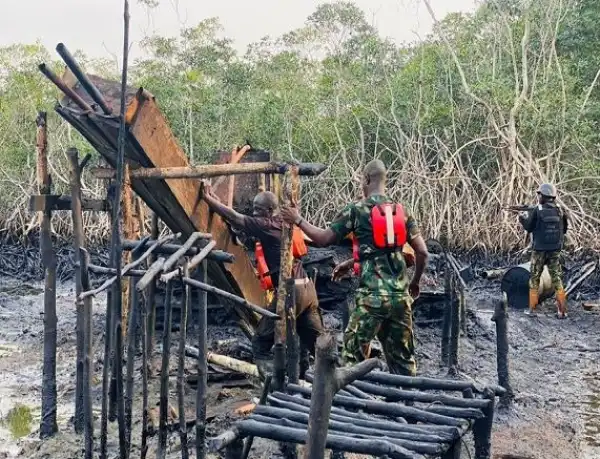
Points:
[[145, 369], [128, 233], [88, 416], [202, 367], [482, 428], [454, 451], [187, 304], [151, 298], [292, 343], [164, 375], [213, 170], [78, 244], [132, 333], [48, 425], [454, 330], [500, 317], [463, 310], [116, 241], [288, 195], [230, 296], [447, 324]]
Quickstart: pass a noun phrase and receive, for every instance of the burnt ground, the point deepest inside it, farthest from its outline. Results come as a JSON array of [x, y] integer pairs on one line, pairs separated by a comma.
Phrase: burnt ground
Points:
[[554, 373]]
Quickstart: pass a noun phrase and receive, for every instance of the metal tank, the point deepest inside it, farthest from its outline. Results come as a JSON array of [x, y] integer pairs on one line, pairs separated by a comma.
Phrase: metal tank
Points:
[[515, 283]]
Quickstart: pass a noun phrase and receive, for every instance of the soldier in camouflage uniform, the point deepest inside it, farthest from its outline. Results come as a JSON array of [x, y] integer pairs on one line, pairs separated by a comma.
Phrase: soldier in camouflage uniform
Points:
[[548, 224], [385, 295]]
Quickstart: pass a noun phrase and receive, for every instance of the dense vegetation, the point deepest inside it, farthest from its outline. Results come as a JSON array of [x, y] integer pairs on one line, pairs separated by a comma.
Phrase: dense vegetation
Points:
[[469, 120]]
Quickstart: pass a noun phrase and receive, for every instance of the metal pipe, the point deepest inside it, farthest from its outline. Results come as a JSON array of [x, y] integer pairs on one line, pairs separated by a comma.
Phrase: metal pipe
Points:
[[83, 79], [515, 283], [60, 84]]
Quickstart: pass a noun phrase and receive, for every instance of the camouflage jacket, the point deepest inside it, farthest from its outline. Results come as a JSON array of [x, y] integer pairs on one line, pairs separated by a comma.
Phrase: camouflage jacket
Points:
[[382, 273]]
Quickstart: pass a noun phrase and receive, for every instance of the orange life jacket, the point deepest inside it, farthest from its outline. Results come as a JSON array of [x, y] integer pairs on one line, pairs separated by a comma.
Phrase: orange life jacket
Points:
[[388, 225], [299, 249]]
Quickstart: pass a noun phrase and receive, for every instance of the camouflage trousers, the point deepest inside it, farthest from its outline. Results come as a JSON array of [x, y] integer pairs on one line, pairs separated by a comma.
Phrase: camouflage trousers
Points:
[[540, 259], [389, 318]]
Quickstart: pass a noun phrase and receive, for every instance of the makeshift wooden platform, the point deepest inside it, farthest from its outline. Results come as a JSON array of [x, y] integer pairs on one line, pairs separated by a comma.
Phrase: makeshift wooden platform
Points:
[[380, 415]]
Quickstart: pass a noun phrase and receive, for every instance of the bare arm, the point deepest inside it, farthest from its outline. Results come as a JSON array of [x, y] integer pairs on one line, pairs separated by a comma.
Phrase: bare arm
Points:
[[320, 237], [421, 255], [233, 217], [342, 269]]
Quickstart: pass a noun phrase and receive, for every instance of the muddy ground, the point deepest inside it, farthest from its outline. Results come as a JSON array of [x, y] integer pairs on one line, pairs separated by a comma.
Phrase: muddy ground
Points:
[[554, 370]]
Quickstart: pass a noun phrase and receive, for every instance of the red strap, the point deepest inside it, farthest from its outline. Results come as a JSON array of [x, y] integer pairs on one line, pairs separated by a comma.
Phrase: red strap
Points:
[[355, 254]]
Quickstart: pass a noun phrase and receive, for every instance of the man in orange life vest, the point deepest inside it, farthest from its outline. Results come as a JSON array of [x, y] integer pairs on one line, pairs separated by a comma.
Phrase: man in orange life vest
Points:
[[265, 225], [385, 295]]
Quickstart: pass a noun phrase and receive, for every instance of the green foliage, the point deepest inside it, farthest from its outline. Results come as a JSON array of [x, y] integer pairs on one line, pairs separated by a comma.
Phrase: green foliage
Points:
[[476, 114]]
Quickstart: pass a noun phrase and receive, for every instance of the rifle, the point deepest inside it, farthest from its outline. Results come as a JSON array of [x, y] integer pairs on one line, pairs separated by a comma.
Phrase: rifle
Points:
[[519, 208]]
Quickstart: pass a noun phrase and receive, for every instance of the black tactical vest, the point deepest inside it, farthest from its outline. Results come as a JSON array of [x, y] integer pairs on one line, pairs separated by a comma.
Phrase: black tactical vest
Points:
[[549, 231]]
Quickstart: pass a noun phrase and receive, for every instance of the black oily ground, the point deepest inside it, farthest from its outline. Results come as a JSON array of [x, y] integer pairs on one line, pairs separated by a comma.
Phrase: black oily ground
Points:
[[24, 262]]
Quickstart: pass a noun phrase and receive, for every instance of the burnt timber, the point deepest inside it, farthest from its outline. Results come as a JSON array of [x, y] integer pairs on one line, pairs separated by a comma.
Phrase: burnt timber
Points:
[[151, 144]]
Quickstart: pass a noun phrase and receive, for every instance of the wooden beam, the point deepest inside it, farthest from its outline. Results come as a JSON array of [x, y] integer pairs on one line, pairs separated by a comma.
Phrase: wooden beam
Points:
[[212, 170]]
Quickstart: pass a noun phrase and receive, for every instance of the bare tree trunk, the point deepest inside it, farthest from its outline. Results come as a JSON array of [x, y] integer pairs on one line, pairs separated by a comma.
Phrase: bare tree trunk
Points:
[[327, 382]]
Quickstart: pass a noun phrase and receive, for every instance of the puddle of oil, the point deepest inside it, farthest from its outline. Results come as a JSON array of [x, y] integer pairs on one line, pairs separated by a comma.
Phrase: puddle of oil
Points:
[[18, 421]]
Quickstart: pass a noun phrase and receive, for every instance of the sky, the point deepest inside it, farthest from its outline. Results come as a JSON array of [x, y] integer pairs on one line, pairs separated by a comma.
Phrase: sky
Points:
[[96, 26]]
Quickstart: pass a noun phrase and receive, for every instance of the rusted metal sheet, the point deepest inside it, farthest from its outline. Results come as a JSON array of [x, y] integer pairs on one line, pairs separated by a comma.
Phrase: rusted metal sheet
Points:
[[150, 143]]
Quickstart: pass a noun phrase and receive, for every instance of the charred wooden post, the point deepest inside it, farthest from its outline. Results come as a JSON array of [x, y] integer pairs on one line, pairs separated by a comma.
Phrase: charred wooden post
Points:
[[230, 296], [48, 424], [454, 451], [187, 304], [327, 381], [482, 428], [89, 87], [122, 272], [78, 244], [235, 449], [463, 310], [145, 341], [292, 343], [454, 330], [287, 197], [370, 447], [279, 367], [116, 251], [122, 424], [500, 317], [164, 375], [424, 383], [180, 253], [88, 416], [151, 297], [132, 333], [262, 401], [169, 249], [67, 91], [202, 368], [129, 233], [447, 325]]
